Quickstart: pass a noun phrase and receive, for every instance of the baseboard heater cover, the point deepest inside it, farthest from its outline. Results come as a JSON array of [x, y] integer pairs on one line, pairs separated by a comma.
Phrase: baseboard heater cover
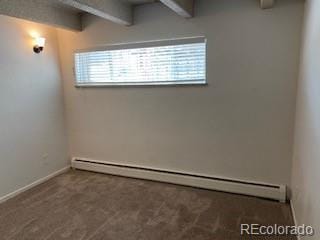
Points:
[[257, 189]]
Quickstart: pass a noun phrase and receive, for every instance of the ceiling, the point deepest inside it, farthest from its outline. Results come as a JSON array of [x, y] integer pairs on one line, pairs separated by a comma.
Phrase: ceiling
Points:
[[67, 13], [60, 5], [137, 2]]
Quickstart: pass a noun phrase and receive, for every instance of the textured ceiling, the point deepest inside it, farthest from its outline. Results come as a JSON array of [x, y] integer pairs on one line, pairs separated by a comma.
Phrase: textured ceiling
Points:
[[58, 4], [136, 2]]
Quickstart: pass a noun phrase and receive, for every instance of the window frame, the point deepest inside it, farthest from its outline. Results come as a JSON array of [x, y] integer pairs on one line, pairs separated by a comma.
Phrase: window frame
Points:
[[146, 44]]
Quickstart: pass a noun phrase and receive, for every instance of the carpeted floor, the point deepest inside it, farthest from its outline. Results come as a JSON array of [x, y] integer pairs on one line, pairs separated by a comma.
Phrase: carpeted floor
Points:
[[82, 205]]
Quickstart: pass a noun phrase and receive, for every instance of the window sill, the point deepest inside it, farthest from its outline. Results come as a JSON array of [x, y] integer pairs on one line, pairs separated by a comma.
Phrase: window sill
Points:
[[141, 84]]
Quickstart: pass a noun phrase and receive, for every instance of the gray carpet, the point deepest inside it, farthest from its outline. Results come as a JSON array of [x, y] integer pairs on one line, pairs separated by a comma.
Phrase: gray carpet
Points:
[[82, 205]]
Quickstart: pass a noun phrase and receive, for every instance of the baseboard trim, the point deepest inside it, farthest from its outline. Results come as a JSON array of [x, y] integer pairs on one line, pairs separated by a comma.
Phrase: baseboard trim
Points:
[[35, 183], [294, 216], [258, 189]]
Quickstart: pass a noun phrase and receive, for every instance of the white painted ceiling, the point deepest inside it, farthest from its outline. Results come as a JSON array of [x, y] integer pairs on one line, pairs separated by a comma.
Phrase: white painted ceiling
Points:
[[137, 2], [60, 5], [67, 13]]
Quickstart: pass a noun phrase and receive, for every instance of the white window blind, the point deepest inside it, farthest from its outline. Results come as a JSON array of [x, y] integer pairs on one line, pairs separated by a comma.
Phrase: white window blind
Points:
[[181, 61]]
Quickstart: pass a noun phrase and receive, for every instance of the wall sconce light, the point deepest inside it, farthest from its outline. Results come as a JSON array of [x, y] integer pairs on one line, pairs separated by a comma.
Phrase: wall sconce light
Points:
[[39, 44]]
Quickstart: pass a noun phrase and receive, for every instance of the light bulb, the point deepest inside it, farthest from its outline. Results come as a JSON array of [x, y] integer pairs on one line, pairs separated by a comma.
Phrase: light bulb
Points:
[[40, 41], [39, 44]]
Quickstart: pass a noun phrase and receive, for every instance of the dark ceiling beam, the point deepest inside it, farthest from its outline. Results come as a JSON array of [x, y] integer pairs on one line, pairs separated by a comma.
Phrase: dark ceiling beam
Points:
[[42, 12], [112, 10], [184, 8]]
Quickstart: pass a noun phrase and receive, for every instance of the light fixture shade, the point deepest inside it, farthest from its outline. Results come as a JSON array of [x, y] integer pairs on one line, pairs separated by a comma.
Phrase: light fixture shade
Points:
[[40, 41]]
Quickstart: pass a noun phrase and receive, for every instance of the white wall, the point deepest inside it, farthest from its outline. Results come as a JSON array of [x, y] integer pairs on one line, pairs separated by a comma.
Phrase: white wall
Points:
[[306, 160], [239, 126], [31, 106]]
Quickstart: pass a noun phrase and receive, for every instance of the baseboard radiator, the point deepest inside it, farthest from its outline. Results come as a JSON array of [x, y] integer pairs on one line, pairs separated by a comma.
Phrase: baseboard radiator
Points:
[[263, 190]]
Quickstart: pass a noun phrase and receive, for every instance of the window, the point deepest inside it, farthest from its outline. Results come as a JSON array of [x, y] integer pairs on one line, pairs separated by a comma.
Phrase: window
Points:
[[181, 61]]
